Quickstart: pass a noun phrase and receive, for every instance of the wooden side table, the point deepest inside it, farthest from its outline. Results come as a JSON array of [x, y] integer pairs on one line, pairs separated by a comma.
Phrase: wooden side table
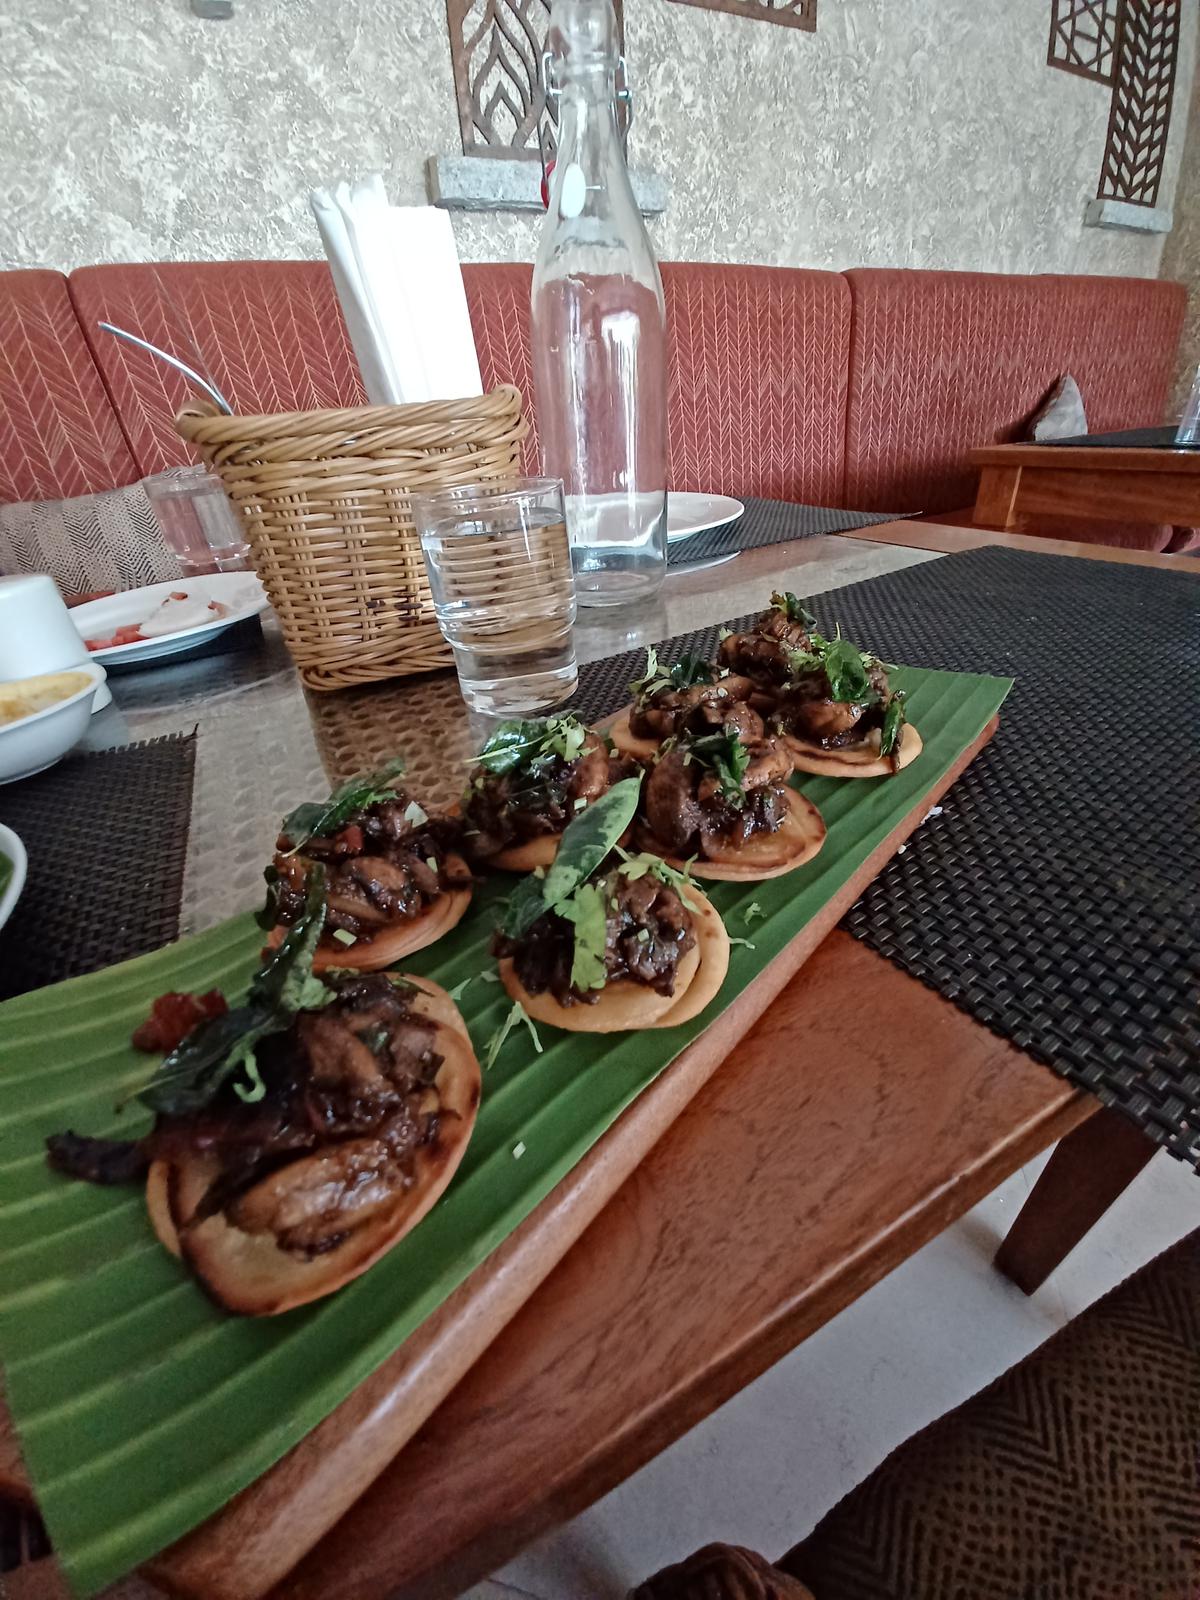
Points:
[[1108, 483]]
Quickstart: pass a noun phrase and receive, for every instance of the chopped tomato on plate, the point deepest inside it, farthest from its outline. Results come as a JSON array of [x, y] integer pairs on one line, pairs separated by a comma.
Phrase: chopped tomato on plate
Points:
[[131, 633]]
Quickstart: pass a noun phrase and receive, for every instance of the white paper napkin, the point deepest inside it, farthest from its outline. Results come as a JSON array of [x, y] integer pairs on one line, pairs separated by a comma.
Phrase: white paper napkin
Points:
[[397, 276]]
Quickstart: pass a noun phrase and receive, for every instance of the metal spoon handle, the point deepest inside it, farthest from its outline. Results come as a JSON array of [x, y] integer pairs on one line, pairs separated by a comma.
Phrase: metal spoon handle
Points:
[[210, 389]]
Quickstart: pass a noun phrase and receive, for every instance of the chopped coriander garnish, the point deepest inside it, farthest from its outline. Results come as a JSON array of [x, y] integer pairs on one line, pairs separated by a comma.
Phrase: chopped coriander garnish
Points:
[[727, 758], [533, 744], [635, 867], [254, 1089], [584, 910], [688, 671], [516, 1014]]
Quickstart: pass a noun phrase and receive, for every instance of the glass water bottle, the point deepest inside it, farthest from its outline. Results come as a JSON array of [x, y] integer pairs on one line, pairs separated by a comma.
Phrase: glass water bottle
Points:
[[599, 325]]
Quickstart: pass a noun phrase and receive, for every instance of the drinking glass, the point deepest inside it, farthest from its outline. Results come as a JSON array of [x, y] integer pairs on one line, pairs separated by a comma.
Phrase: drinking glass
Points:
[[198, 521], [1189, 424], [500, 570]]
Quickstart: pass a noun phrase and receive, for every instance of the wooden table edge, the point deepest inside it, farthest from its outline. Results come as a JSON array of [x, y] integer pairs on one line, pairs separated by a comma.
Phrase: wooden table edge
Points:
[[626, 1453], [948, 538], [1088, 458]]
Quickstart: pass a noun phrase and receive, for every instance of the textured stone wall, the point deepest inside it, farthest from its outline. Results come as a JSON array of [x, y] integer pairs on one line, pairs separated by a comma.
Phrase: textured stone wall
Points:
[[909, 132], [1181, 253]]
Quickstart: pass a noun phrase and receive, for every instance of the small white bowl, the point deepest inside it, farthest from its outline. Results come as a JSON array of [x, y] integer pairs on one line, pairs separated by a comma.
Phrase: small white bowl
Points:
[[33, 743], [11, 847]]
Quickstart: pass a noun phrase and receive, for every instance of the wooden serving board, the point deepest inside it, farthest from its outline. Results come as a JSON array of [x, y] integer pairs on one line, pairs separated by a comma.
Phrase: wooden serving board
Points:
[[254, 1541]]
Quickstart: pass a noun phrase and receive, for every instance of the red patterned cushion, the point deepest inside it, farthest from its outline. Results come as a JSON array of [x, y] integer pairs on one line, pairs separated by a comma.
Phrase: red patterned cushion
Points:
[[269, 333], [941, 362], [59, 437], [498, 300], [759, 358]]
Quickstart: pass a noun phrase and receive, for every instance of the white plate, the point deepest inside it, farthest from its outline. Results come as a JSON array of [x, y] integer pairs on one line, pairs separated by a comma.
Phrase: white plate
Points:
[[100, 619], [11, 847], [692, 513]]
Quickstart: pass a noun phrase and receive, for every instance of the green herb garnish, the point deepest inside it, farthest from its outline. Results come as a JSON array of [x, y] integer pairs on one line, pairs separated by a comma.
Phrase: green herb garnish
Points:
[[752, 910], [213, 1052], [516, 1014], [894, 719], [846, 672], [688, 671], [846, 667], [585, 910], [727, 758], [532, 743], [637, 866], [585, 842], [316, 819], [737, 939], [793, 608]]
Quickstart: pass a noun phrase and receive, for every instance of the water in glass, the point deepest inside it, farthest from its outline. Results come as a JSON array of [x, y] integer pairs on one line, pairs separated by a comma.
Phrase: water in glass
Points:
[[197, 520], [499, 568]]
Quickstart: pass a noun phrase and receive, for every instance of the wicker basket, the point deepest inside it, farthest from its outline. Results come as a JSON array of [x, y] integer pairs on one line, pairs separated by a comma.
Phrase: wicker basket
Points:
[[324, 496]]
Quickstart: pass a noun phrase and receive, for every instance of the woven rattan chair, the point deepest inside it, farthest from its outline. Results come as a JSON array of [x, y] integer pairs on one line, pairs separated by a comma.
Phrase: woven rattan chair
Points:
[[1075, 1476]]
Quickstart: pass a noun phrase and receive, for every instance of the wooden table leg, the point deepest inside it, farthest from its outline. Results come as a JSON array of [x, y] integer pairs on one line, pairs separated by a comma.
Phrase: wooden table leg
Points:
[[996, 501], [1090, 1167]]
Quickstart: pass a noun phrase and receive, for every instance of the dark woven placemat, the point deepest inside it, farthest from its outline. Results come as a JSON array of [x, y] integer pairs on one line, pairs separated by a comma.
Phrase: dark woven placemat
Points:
[[106, 835], [770, 522], [1056, 897]]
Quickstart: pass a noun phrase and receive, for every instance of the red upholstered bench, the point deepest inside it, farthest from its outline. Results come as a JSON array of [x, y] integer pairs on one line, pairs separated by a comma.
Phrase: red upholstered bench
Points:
[[59, 436], [865, 389]]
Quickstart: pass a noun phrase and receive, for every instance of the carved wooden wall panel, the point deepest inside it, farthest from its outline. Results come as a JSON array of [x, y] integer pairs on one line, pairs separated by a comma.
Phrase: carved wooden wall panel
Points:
[[496, 48], [791, 13], [1143, 87], [1083, 37]]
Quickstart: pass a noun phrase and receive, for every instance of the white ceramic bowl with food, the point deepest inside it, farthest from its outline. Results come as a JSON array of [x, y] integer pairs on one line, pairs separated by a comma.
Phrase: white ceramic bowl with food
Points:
[[13, 866], [41, 718]]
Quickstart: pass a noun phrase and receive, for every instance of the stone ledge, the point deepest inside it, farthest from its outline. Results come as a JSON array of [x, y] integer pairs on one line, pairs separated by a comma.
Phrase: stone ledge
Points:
[[1130, 218], [481, 183]]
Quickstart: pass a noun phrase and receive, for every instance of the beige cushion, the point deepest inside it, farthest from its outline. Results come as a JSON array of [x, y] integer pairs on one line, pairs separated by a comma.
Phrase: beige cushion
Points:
[[98, 541], [1061, 414]]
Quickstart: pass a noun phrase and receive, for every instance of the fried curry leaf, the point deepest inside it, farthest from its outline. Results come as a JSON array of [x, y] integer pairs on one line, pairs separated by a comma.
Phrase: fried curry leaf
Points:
[[894, 719], [317, 818], [524, 743], [585, 843], [191, 1074], [793, 608], [727, 758], [269, 915], [585, 910]]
